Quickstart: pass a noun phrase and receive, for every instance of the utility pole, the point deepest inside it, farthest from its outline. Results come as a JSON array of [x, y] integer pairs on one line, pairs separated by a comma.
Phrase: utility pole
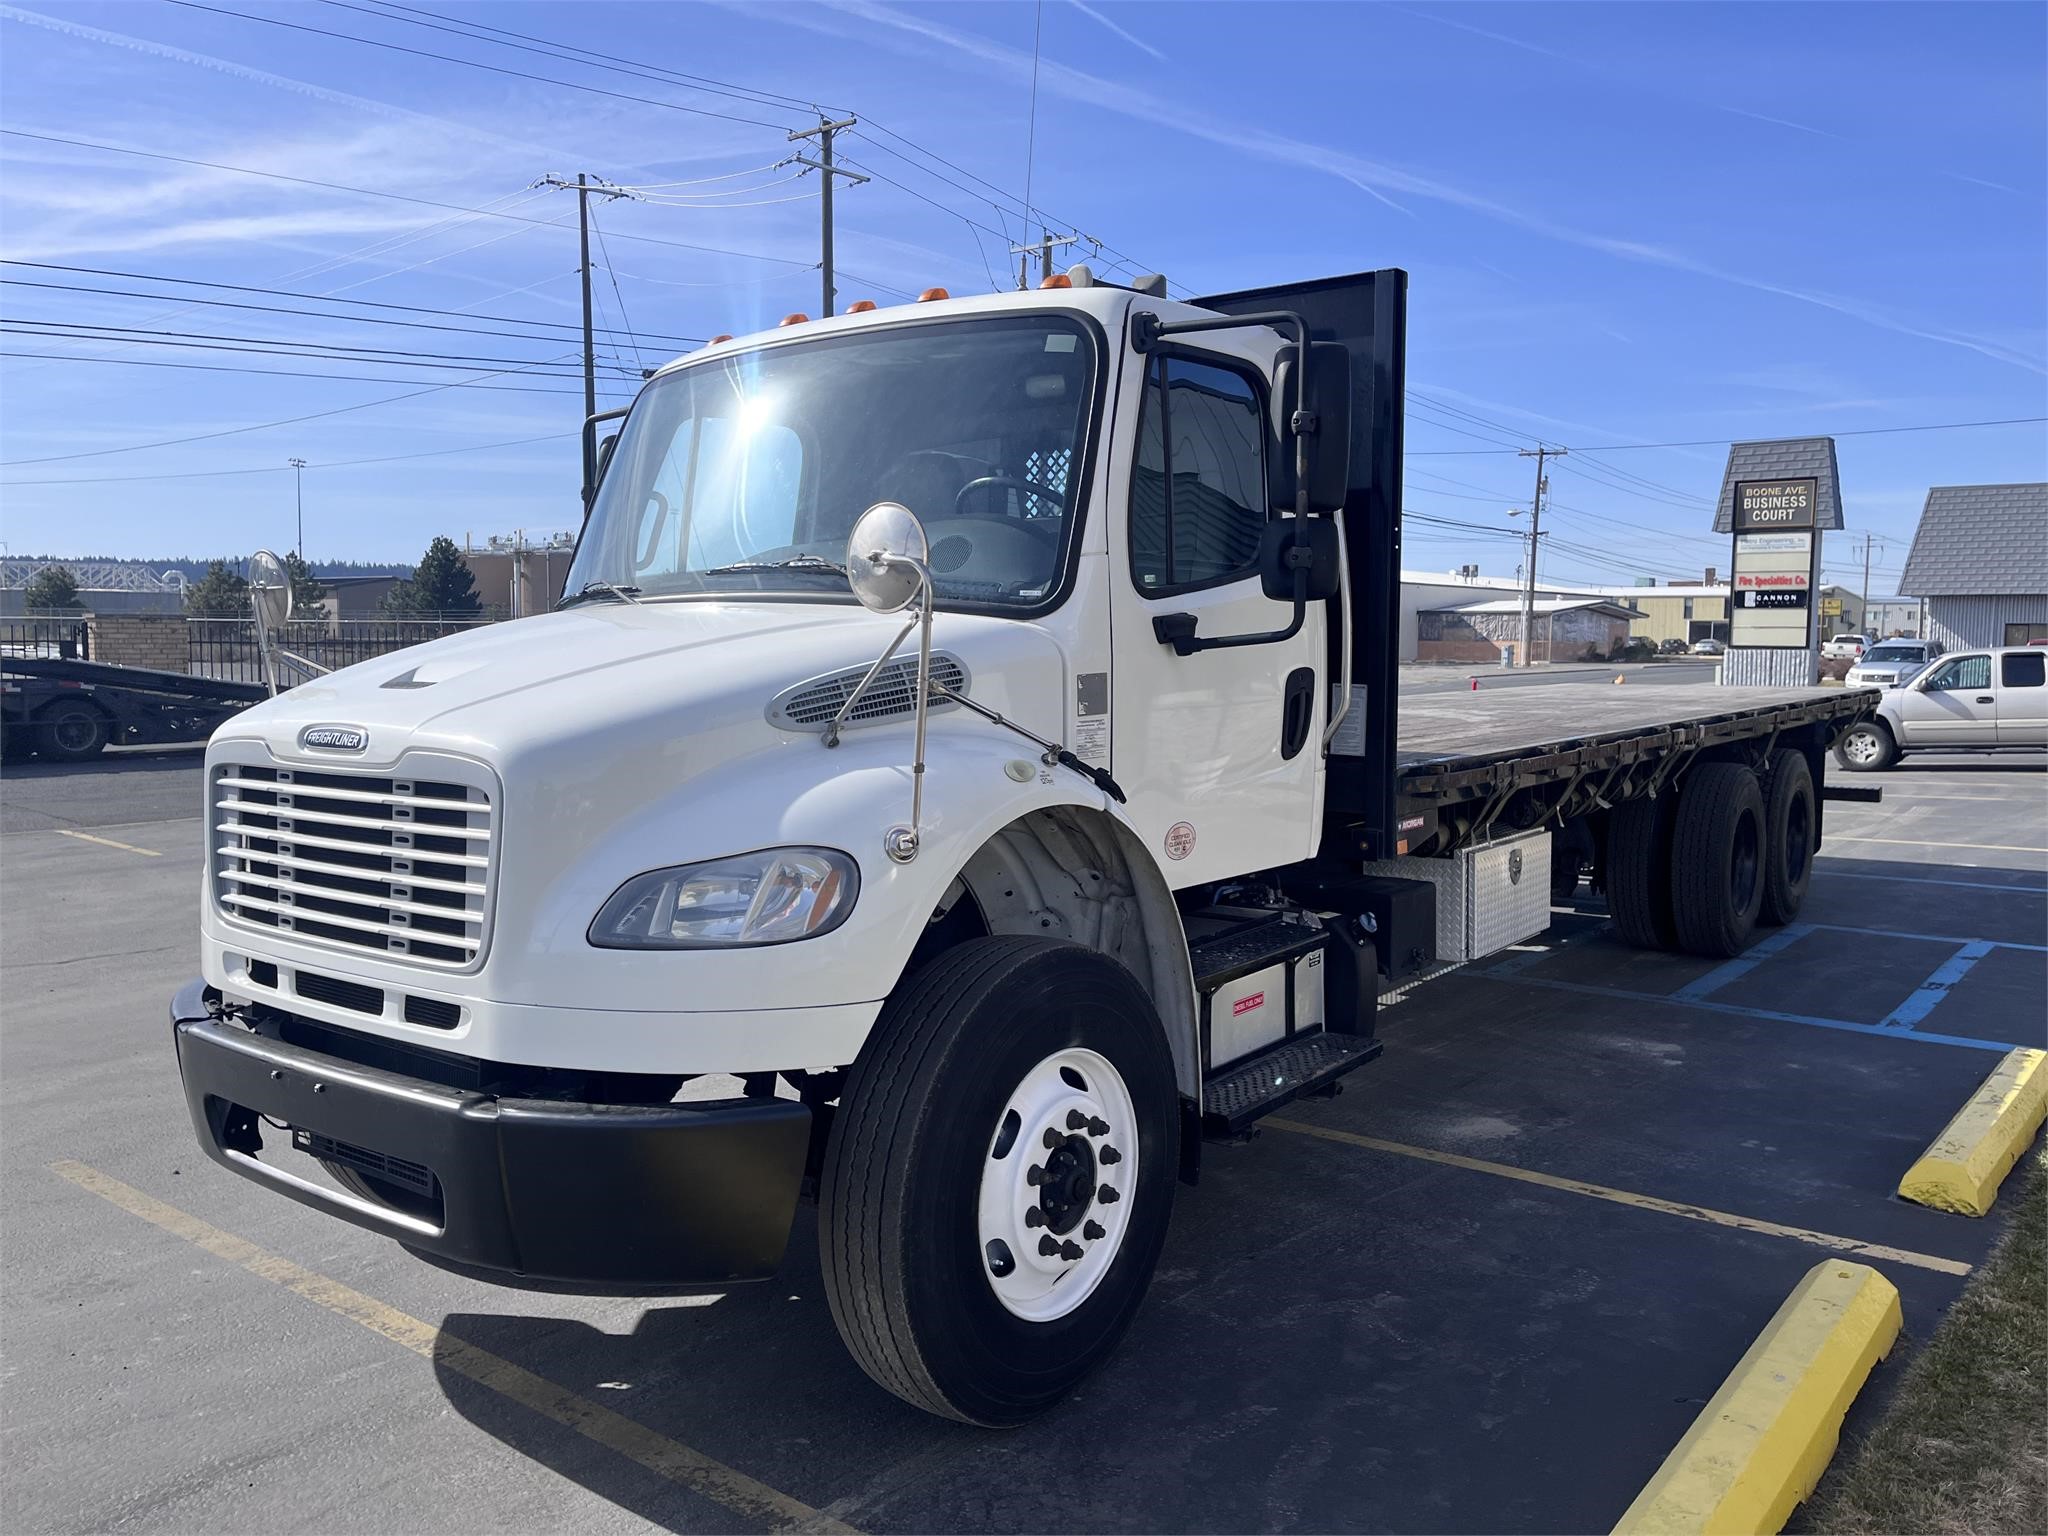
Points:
[[1863, 619], [823, 166], [583, 188], [299, 497], [1539, 454], [1043, 250]]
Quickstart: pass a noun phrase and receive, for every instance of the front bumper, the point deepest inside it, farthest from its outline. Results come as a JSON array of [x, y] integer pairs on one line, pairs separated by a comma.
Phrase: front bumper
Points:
[[606, 1195]]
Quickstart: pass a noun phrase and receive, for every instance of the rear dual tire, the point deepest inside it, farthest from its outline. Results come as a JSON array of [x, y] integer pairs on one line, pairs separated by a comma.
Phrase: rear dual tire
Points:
[[1719, 855], [924, 1178]]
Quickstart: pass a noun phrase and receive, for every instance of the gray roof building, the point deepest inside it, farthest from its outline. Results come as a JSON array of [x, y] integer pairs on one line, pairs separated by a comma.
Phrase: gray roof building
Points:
[[1785, 458], [1975, 540]]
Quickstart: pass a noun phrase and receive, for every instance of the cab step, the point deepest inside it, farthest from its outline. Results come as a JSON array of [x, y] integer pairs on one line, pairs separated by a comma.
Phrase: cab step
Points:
[[1239, 1094]]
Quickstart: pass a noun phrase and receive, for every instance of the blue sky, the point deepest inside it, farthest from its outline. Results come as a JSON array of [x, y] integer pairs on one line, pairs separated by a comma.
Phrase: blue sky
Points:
[[1625, 224]]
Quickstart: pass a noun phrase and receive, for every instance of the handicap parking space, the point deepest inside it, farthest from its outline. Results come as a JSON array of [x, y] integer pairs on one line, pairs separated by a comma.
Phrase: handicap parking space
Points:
[[1487, 1288]]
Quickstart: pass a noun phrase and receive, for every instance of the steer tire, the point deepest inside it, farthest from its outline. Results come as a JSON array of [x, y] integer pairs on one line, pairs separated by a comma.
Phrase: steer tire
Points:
[[1639, 871], [1790, 827], [920, 1129], [1866, 747], [1718, 859], [71, 731]]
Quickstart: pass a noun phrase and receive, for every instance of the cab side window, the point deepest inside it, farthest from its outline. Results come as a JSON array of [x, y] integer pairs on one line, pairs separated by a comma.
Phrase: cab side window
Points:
[[1198, 489], [1962, 673], [2023, 669]]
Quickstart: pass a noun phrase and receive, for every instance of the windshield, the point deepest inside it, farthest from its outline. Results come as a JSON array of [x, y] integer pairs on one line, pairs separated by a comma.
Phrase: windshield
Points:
[[1893, 653], [744, 474]]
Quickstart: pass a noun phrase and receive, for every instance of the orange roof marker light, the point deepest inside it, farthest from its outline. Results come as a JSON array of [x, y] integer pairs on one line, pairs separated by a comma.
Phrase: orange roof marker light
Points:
[[1056, 280], [795, 319], [932, 293], [860, 306], [714, 341]]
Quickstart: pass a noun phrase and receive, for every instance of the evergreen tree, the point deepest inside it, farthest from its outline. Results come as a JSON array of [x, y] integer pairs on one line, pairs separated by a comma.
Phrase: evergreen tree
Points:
[[221, 593], [307, 589], [53, 589], [441, 585]]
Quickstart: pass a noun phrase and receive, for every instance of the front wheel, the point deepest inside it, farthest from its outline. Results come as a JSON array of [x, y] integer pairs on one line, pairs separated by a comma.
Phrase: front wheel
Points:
[[997, 1186], [1866, 747], [72, 731]]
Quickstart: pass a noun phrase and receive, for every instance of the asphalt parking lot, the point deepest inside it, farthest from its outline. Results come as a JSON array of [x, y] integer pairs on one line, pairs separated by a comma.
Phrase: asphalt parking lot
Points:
[[1487, 1289]]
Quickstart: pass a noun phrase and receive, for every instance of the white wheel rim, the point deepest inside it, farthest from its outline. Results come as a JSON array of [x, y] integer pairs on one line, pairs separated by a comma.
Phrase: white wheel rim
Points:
[[1861, 747], [1084, 1185]]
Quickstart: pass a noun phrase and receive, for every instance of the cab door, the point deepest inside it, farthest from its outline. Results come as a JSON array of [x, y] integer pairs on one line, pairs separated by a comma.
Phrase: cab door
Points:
[[1220, 751], [1953, 707], [2023, 697]]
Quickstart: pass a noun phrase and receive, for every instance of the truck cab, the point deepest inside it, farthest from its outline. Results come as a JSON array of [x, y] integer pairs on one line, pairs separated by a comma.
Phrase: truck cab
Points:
[[987, 919]]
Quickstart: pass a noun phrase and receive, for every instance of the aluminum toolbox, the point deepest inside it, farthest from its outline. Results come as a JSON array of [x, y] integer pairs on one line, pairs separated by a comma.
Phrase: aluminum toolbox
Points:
[[1487, 897]]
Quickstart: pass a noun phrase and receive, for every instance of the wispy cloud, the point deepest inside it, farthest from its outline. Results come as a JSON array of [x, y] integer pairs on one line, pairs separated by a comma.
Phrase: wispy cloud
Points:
[[1381, 179], [1136, 42]]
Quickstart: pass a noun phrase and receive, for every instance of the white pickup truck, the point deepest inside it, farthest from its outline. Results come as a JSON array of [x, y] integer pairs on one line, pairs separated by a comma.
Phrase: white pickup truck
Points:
[[587, 949], [1982, 700]]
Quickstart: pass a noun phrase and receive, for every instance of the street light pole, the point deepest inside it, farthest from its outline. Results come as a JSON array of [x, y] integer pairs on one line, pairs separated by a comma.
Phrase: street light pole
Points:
[[299, 497]]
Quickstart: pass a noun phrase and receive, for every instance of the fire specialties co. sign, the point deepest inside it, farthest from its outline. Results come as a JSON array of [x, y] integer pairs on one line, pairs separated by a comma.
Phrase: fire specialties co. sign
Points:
[[1775, 564]]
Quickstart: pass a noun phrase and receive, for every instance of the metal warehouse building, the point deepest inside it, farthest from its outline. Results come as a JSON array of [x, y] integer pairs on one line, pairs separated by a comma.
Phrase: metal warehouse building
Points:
[[1980, 561]]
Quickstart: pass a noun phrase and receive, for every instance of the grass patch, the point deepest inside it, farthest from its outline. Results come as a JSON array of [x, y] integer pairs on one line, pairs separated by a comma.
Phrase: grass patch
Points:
[[1963, 1448]]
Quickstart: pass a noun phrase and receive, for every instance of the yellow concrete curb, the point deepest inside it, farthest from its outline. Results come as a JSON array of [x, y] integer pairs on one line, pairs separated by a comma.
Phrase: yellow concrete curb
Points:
[[1963, 1167], [1760, 1445]]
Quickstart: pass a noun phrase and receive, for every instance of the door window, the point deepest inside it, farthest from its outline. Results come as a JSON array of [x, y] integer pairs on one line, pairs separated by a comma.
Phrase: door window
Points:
[[2023, 669], [1199, 490], [1961, 674]]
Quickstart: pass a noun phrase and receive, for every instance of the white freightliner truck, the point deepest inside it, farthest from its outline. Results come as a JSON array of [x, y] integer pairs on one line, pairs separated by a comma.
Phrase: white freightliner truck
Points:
[[981, 920]]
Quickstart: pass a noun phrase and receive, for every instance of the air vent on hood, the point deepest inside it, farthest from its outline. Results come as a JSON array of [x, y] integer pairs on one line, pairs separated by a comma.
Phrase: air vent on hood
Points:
[[811, 705]]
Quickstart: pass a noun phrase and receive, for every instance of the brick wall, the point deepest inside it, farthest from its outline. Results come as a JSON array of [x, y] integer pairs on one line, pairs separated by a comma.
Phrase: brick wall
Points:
[[152, 640]]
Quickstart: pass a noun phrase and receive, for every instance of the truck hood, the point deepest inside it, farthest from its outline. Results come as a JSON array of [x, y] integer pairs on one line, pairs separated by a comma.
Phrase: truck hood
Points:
[[659, 671]]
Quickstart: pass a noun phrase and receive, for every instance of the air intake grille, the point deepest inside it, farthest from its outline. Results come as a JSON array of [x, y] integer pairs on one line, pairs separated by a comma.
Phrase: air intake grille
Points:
[[811, 706], [399, 866]]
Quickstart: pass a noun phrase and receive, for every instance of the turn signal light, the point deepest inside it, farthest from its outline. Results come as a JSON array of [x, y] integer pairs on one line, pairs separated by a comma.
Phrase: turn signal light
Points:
[[797, 319], [932, 293], [1056, 280], [860, 306]]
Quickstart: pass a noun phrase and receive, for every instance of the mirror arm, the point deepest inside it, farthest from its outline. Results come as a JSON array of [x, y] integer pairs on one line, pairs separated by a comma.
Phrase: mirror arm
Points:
[[1178, 629], [590, 474], [831, 737]]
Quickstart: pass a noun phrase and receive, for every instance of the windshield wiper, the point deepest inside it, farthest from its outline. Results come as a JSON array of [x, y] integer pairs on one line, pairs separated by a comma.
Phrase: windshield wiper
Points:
[[793, 563], [590, 589]]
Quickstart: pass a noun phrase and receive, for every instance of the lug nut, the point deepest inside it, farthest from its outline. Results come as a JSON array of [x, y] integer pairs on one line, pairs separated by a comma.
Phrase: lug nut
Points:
[[1076, 1120], [1098, 1127], [1034, 1175], [1092, 1230], [1106, 1195], [1071, 1252], [1053, 1139], [1034, 1217], [1049, 1246], [1109, 1155]]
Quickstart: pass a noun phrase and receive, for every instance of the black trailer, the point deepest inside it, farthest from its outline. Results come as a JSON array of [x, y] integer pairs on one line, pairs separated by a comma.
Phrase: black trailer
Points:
[[69, 711]]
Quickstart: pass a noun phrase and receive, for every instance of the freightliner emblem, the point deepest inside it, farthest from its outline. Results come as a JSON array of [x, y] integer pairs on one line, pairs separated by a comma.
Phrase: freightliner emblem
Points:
[[335, 738]]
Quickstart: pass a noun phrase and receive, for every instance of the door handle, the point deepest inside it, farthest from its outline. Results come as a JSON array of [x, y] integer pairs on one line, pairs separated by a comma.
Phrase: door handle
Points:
[[1297, 711], [1984, 698]]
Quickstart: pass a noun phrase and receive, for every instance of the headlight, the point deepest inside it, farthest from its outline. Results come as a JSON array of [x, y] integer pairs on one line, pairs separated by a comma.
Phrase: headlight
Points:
[[769, 897]]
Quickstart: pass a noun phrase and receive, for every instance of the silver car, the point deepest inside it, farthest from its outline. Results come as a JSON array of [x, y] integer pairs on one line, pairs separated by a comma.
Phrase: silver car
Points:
[[1890, 663]]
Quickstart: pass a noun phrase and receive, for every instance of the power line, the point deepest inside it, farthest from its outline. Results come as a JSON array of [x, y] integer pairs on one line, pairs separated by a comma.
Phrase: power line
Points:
[[208, 341], [399, 197], [278, 469], [450, 58], [278, 373], [1723, 442]]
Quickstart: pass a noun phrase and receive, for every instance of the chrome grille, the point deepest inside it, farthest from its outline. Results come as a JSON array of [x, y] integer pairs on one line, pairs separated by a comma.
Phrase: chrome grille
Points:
[[396, 865], [811, 706]]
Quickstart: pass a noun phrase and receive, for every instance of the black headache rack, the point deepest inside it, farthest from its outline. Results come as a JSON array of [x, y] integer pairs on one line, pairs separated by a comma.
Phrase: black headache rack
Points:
[[1367, 312]]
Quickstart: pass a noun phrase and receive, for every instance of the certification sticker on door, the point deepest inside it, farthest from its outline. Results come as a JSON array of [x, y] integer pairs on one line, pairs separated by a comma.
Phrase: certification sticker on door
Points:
[[1091, 718], [1180, 840]]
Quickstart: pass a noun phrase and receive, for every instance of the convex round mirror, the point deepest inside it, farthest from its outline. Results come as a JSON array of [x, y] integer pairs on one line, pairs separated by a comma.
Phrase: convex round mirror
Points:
[[885, 557], [270, 589]]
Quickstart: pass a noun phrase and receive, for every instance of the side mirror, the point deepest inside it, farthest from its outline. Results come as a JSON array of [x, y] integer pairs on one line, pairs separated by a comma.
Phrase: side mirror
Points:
[[885, 557], [1289, 544], [604, 456], [1329, 406], [270, 590]]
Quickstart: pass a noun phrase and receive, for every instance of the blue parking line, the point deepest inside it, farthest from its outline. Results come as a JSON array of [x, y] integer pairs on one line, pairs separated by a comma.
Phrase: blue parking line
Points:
[[1931, 938], [1890, 1033], [1974, 885], [1742, 964], [1935, 987]]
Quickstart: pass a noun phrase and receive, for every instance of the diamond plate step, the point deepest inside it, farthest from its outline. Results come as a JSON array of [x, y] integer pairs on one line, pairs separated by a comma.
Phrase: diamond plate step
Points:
[[1235, 1097]]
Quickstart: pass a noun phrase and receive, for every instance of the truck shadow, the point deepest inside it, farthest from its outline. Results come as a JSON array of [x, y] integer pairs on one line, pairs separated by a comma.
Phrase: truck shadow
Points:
[[756, 1378]]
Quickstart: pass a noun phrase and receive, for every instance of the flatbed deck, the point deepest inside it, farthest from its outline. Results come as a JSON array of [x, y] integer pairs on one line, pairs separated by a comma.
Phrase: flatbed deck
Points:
[[1460, 758]]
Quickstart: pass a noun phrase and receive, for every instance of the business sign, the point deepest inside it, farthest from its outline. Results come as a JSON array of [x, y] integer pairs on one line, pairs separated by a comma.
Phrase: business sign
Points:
[[1768, 579], [1765, 505], [1776, 598], [1774, 543], [1831, 607]]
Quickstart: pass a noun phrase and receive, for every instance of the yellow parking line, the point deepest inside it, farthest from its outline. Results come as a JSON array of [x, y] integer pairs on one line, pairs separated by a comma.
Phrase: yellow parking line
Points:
[[1627, 1197], [667, 1458], [1917, 842], [108, 842]]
